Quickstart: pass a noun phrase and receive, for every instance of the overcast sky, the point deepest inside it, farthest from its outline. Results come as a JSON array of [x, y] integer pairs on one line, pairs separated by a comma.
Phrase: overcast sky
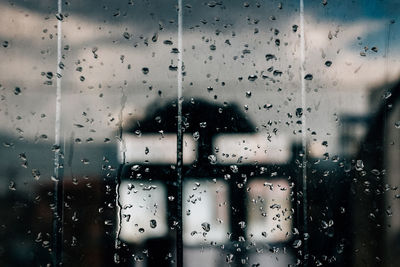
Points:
[[222, 43]]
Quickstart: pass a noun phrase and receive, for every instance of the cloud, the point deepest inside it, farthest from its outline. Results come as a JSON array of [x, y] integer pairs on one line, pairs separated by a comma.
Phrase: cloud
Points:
[[29, 55]]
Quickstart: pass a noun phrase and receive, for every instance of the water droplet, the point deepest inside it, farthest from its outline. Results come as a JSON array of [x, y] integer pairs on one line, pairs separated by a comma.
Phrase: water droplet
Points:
[[155, 37], [135, 167], [153, 223], [46, 243], [117, 13], [328, 63], [268, 106], [196, 136], [138, 133], [359, 165], [36, 174], [173, 68], [299, 112], [264, 234], [116, 258], [74, 241], [74, 217], [145, 70], [246, 51], [127, 35], [252, 78], [297, 243], [212, 159], [275, 206], [397, 124], [141, 230], [8, 144], [59, 16], [39, 237], [270, 56], [212, 4], [387, 94], [206, 226], [5, 44], [22, 156], [308, 77], [11, 186], [229, 258], [17, 91], [374, 49], [234, 168], [248, 94]]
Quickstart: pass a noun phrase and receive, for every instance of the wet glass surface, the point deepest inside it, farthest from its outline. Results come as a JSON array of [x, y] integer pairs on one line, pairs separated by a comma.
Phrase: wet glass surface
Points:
[[199, 133]]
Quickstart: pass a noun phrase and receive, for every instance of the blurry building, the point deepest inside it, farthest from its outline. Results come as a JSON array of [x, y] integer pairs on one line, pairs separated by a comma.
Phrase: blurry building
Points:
[[376, 206]]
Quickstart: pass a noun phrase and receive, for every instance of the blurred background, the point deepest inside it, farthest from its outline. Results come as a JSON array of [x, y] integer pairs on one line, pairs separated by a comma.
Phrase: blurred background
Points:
[[290, 133]]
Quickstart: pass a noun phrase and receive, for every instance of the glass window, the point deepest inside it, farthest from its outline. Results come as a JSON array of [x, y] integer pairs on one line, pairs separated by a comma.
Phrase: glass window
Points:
[[199, 133]]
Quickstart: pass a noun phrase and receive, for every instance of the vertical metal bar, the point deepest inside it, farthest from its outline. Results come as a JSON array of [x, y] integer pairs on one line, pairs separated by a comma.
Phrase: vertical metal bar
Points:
[[58, 187], [179, 241], [303, 130]]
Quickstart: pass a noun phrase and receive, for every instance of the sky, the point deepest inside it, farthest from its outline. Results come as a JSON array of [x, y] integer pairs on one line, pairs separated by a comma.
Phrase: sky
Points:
[[105, 46]]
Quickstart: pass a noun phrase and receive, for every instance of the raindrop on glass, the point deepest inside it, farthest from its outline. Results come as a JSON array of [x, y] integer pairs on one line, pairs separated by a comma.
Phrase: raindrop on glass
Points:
[[206, 226], [145, 70], [308, 77], [212, 159], [297, 243], [153, 223]]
